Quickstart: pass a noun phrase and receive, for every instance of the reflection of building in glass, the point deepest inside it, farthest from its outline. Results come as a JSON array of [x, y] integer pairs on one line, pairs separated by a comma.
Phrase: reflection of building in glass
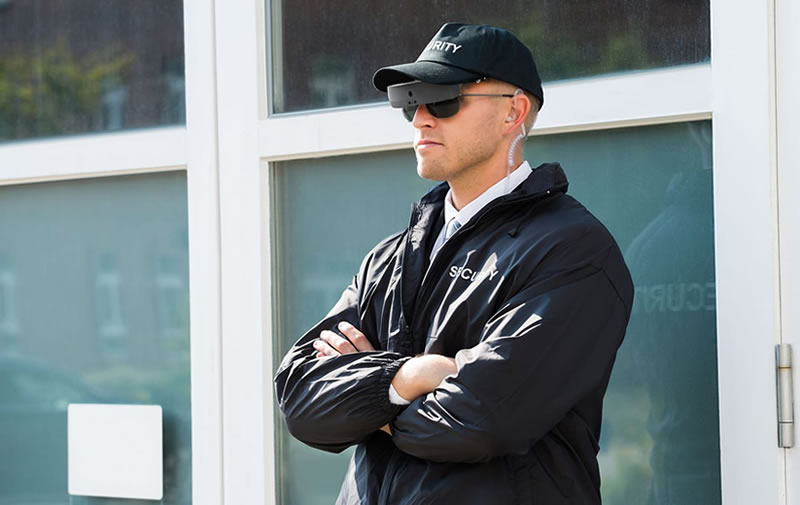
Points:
[[113, 106], [9, 325], [173, 110], [89, 280], [111, 328], [172, 304], [333, 82], [99, 296]]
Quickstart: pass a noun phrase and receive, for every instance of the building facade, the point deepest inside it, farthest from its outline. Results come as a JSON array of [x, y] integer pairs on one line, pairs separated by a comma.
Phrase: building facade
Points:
[[175, 179]]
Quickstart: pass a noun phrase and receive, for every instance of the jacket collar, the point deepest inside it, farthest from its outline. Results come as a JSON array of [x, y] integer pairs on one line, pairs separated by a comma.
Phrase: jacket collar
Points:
[[545, 179]]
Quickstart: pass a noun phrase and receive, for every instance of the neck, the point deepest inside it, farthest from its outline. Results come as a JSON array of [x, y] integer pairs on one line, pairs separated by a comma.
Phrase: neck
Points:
[[473, 183]]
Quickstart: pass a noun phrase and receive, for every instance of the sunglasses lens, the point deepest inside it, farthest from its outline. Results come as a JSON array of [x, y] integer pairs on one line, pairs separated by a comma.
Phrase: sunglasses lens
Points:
[[443, 109]]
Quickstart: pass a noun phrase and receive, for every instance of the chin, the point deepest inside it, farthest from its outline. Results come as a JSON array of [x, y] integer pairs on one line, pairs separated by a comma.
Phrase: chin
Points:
[[430, 171]]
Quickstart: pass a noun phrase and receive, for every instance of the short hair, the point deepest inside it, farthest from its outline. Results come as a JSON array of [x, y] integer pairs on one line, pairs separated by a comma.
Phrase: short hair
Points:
[[536, 104], [533, 113]]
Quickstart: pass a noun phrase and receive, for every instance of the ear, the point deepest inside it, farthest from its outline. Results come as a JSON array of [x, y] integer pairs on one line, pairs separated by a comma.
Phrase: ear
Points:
[[520, 106]]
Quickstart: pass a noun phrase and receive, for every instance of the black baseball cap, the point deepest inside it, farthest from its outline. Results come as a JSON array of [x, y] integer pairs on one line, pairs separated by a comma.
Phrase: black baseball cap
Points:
[[460, 53]]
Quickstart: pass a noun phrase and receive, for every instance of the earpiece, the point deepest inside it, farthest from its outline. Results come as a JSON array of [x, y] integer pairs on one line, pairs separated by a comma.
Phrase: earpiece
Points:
[[512, 116]]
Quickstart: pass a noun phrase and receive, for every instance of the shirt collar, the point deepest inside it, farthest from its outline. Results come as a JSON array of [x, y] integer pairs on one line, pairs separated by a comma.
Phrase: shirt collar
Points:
[[515, 178]]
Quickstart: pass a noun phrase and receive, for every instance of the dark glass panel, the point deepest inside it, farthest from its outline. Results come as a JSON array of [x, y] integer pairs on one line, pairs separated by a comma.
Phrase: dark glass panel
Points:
[[94, 308], [80, 66], [326, 52]]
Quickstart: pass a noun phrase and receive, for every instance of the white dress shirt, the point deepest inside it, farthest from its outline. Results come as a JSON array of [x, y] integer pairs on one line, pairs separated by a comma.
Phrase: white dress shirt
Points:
[[501, 188], [505, 186]]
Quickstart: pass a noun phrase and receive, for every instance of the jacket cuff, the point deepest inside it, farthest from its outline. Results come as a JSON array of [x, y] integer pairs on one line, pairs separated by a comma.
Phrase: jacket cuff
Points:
[[382, 388]]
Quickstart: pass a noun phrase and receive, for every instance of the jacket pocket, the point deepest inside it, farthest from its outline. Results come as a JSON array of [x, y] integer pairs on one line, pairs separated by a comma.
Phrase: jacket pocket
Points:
[[548, 488]]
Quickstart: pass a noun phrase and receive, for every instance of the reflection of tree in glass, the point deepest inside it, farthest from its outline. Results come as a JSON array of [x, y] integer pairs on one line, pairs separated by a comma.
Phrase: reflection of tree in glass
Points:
[[569, 39], [579, 55], [33, 426], [624, 459], [50, 92]]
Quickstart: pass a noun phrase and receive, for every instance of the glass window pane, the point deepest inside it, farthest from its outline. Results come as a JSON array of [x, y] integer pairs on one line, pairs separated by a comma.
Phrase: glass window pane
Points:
[[94, 306], [75, 66], [652, 187], [324, 53]]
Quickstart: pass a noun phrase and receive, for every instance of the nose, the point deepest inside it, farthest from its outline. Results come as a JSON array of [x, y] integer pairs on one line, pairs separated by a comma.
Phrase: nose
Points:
[[422, 118]]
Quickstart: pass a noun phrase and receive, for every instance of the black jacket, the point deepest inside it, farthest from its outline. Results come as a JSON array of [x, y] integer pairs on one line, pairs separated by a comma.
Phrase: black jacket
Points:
[[532, 298]]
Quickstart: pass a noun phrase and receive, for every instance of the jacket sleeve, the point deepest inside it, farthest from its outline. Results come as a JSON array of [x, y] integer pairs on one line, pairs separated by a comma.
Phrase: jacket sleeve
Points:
[[548, 347], [332, 403]]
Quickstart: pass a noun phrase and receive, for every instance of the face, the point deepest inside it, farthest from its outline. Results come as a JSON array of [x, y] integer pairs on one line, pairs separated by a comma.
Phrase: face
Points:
[[461, 146]]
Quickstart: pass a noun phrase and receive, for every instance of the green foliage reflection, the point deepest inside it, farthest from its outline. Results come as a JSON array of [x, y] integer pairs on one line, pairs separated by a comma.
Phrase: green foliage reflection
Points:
[[50, 92]]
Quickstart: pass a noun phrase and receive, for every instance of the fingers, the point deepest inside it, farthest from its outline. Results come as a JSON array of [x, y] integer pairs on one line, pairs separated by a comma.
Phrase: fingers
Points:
[[358, 339], [334, 344], [330, 343], [324, 349]]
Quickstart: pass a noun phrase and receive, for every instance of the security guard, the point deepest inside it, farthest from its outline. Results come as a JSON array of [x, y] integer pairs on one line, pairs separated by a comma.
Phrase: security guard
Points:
[[468, 359]]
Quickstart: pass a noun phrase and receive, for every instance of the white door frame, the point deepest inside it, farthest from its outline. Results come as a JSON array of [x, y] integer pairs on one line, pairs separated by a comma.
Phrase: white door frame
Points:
[[746, 244], [787, 115], [736, 90]]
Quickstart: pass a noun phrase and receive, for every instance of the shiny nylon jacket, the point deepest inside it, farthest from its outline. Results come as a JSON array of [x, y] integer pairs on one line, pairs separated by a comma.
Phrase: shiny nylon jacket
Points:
[[531, 297]]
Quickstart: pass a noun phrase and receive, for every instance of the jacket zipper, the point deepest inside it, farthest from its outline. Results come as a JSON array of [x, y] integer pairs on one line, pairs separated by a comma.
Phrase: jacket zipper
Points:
[[392, 466]]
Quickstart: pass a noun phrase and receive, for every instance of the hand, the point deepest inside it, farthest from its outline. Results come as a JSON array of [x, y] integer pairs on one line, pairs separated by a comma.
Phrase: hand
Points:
[[421, 375], [331, 343]]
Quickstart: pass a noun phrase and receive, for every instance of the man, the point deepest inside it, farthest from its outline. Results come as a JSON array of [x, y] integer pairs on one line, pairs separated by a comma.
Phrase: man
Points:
[[469, 357]]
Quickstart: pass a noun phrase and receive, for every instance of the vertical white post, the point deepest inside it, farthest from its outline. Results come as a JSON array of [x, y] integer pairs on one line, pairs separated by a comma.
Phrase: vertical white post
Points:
[[246, 387], [746, 244], [204, 252]]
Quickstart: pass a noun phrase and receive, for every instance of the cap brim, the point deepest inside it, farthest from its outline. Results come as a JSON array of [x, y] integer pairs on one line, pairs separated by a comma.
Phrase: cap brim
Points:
[[425, 71]]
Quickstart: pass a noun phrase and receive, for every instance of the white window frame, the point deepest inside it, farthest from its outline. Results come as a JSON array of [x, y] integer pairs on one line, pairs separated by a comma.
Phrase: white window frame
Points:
[[230, 140], [640, 98], [192, 149]]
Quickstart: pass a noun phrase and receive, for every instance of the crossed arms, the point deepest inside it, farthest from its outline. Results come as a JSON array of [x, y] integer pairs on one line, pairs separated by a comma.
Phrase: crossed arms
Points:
[[416, 377], [539, 355]]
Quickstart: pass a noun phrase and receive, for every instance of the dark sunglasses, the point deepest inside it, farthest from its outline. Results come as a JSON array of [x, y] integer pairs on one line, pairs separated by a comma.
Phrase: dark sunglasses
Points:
[[445, 108], [441, 100]]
